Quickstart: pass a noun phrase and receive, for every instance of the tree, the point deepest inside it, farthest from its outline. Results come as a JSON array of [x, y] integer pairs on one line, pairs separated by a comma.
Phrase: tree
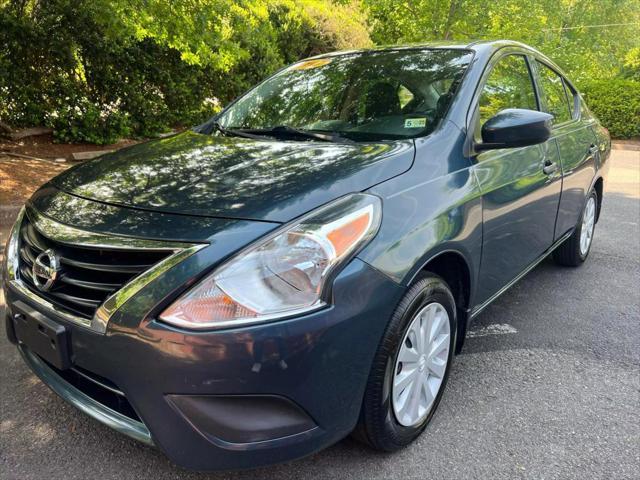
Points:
[[588, 39], [97, 70]]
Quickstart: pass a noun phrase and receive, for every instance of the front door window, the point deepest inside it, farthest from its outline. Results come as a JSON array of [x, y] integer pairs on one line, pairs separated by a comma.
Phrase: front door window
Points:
[[509, 86]]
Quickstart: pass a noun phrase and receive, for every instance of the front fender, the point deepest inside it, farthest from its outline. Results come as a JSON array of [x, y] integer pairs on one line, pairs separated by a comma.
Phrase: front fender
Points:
[[422, 219]]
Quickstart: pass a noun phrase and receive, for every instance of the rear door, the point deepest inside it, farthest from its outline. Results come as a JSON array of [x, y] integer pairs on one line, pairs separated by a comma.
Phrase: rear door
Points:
[[520, 193], [576, 143]]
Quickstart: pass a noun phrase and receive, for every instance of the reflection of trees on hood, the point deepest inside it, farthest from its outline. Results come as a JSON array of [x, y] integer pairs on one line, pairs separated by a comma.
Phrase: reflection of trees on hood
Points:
[[193, 169], [94, 216]]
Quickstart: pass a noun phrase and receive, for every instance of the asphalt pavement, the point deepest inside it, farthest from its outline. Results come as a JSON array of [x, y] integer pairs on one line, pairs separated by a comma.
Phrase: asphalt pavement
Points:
[[547, 386]]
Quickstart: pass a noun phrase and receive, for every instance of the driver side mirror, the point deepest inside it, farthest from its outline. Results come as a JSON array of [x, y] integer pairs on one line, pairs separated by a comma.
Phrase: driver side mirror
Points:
[[515, 127]]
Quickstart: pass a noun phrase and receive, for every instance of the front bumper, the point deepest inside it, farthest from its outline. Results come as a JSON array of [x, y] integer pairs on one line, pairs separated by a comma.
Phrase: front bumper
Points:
[[85, 403], [318, 363]]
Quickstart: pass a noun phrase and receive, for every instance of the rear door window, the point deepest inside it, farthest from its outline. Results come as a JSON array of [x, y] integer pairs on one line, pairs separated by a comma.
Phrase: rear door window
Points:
[[556, 100]]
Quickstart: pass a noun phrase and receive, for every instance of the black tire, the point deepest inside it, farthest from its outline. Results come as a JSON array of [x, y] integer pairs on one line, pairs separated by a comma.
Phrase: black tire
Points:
[[568, 254], [377, 425]]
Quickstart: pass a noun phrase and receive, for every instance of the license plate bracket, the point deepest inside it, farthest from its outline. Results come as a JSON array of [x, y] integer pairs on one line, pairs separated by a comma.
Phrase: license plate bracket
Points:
[[41, 335]]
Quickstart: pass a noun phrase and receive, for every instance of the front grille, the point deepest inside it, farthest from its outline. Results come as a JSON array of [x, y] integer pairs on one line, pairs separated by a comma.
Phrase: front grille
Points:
[[87, 276]]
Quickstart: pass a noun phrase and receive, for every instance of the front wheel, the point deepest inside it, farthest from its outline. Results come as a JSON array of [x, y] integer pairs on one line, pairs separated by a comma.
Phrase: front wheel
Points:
[[575, 249], [411, 367]]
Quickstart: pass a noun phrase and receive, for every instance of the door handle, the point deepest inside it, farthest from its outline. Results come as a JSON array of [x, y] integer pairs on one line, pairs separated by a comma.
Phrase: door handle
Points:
[[550, 167]]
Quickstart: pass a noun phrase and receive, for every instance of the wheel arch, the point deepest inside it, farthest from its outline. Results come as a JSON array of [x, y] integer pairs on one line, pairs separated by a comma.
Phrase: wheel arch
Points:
[[454, 268], [598, 185]]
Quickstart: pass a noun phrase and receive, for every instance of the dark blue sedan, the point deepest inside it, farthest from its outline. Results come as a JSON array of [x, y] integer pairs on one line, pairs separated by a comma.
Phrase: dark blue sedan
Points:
[[304, 265]]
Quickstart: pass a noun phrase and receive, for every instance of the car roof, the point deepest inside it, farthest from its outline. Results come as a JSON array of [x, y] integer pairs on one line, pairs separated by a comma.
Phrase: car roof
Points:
[[476, 45]]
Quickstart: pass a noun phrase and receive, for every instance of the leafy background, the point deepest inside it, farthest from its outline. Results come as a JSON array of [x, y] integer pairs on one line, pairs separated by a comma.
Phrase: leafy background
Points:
[[99, 70]]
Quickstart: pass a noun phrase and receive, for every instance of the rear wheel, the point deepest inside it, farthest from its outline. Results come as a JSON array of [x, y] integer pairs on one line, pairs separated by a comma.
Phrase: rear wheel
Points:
[[575, 250], [411, 367]]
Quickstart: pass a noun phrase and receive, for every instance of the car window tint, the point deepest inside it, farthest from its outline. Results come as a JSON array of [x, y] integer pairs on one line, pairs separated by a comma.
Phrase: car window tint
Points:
[[374, 98], [509, 86], [556, 101]]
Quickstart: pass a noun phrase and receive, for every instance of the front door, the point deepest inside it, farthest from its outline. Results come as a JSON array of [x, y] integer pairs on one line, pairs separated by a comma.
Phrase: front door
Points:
[[520, 186]]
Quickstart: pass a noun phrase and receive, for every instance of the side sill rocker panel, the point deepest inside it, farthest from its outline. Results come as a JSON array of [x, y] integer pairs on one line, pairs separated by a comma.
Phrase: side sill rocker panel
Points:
[[478, 309]]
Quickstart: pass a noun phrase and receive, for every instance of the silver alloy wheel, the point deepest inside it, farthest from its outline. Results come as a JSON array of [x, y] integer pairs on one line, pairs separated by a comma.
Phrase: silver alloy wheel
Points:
[[588, 223], [420, 365]]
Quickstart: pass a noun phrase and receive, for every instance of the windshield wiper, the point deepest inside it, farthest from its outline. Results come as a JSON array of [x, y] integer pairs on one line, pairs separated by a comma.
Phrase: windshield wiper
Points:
[[286, 130], [231, 131]]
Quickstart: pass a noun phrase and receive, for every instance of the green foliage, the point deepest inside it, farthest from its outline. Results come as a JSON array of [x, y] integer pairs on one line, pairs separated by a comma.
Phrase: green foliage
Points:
[[616, 102], [631, 66], [140, 67], [85, 122], [97, 70], [588, 39]]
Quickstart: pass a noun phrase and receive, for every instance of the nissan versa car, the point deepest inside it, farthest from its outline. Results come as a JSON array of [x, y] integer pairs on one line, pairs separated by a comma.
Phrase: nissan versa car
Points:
[[304, 265]]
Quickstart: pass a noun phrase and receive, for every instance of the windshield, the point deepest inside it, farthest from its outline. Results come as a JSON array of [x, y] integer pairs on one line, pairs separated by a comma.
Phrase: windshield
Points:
[[365, 96]]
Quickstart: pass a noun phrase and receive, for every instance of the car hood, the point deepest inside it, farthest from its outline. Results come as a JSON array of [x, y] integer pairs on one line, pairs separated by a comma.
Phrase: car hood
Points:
[[231, 177]]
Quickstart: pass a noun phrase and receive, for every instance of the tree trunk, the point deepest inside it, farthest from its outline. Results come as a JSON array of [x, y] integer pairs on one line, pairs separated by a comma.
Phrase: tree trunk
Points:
[[453, 6]]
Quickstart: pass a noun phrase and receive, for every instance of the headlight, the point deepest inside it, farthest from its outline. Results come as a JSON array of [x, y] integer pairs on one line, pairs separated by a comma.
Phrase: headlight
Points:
[[10, 264], [282, 275]]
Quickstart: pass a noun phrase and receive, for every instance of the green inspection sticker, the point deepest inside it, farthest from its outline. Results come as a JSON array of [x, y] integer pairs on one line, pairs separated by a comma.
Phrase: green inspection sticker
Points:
[[415, 123]]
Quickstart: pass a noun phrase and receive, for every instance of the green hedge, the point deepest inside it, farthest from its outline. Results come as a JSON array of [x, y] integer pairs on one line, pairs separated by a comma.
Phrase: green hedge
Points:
[[99, 70], [616, 103]]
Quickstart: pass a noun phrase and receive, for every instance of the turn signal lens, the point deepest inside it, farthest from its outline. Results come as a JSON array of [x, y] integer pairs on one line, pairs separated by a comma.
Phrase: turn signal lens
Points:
[[282, 275]]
